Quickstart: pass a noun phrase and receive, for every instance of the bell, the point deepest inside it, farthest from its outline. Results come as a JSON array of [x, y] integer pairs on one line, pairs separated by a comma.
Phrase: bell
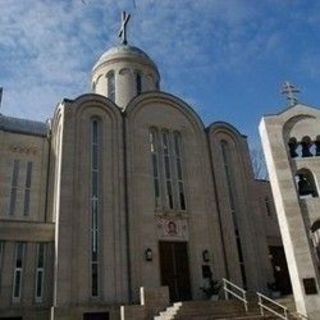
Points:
[[304, 186], [292, 148], [306, 150], [317, 143]]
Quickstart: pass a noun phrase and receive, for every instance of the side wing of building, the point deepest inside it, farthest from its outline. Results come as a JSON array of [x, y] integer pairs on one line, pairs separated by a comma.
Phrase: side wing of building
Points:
[[26, 233]]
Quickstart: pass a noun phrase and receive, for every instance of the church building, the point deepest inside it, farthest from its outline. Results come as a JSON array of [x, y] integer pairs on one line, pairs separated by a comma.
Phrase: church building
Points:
[[125, 187], [291, 143]]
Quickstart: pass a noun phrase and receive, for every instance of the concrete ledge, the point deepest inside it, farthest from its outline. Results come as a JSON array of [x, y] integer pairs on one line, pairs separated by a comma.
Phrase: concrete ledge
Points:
[[26, 231], [152, 301], [134, 312]]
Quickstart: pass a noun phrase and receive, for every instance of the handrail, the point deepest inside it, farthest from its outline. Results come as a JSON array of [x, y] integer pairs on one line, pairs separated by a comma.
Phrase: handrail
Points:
[[227, 291], [261, 297]]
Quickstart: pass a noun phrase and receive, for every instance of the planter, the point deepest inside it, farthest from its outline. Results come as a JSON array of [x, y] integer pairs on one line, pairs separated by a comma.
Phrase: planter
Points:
[[276, 294], [214, 297]]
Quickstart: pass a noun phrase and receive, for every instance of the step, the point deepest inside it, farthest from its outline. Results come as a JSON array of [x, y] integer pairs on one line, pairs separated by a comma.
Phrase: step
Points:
[[217, 310], [204, 310]]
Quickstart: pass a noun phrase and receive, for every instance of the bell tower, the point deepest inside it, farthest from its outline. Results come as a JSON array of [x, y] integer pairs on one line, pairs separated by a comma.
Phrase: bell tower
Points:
[[291, 145]]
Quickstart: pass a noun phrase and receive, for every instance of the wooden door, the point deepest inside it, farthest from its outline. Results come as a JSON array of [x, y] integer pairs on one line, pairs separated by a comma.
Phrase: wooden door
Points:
[[174, 267], [280, 270]]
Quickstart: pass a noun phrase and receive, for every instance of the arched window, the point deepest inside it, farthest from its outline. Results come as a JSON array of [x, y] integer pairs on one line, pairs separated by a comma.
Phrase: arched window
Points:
[[293, 145], [167, 153], [179, 173], [155, 157], [305, 184], [111, 85], [93, 87], [138, 83], [167, 165], [95, 208]]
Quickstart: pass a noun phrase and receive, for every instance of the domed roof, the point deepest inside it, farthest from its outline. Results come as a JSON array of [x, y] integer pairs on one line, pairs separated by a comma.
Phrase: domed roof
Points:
[[121, 51]]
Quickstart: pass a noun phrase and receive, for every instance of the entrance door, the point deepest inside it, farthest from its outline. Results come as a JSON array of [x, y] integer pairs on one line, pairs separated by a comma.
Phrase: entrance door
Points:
[[280, 270], [96, 316], [174, 265]]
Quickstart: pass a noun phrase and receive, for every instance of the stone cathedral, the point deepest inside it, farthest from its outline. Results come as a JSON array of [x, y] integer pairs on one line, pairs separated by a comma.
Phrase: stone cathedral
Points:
[[125, 187]]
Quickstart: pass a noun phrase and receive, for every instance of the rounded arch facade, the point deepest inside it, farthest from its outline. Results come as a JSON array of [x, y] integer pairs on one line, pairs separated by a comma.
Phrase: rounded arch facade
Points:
[[91, 167], [168, 166], [234, 187]]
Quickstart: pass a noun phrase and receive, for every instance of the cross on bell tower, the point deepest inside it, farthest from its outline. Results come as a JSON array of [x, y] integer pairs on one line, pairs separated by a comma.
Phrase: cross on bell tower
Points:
[[123, 29], [289, 90]]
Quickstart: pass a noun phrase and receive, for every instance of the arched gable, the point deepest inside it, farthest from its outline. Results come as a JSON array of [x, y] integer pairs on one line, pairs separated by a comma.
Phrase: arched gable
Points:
[[145, 99], [83, 102], [94, 100], [225, 128]]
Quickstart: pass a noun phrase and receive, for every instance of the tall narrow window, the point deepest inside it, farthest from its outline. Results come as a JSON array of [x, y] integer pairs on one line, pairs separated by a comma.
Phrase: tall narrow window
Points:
[[111, 85], [154, 148], [14, 187], [225, 149], [95, 166], [27, 190], [40, 272], [167, 168], [139, 83], [1, 260], [18, 271], [179, 174]]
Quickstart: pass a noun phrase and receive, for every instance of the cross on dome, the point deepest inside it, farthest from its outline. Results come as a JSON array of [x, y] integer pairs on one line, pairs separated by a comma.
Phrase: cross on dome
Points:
[[289, 90], [123, 29]]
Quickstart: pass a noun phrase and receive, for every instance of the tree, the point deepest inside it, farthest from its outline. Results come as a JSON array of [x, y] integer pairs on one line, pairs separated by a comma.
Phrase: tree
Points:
[[258, 163]]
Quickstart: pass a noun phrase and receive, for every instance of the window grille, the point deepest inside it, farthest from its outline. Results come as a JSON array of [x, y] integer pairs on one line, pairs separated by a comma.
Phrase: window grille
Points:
[[167, 166], [18, 271], [95, 166], [27, 191], [40, 272], [14, 187], [111, 85]]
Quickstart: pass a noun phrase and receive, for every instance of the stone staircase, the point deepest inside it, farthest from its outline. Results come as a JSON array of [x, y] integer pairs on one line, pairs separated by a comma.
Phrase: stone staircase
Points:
[[207, 310], [219, 310]]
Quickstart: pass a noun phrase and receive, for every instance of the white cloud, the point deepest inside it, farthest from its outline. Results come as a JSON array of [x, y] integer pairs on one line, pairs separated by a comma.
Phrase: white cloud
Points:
[[47, 48]]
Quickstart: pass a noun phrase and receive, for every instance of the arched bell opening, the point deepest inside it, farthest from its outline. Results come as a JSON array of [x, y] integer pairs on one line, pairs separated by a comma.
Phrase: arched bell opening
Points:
[[293, 145], [306, 185], [306, 144]]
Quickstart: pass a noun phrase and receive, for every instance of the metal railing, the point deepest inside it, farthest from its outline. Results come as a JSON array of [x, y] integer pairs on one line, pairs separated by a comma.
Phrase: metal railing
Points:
[[230, 288], [283, 312]]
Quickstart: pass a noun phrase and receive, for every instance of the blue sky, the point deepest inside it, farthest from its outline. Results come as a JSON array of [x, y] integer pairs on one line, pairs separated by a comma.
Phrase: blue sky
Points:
[[226, 58]]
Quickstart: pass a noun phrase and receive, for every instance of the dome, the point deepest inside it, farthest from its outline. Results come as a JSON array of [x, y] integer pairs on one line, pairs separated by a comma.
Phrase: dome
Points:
[[124, 51], [123, 72]]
